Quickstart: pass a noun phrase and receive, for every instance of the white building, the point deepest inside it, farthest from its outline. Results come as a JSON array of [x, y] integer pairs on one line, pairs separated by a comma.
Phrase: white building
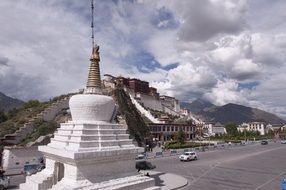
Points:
[[254, 126], [170, 102], [185, 112], [15, 158], [274, 127], [109, 81], [213, 129]]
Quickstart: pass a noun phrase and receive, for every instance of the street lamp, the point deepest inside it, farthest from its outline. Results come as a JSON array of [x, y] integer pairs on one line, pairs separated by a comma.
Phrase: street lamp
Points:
[[200, 128]]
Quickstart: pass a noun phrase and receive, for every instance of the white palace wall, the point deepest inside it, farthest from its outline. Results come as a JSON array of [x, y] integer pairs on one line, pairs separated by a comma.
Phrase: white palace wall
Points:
[[148, 101]]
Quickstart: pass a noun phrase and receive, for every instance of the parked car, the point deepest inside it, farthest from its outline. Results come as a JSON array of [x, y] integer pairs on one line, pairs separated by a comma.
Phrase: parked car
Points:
[[188, 156], [140, 156], [144, 165], [4, 182], [33, 168], [264, 142], [283, 141]]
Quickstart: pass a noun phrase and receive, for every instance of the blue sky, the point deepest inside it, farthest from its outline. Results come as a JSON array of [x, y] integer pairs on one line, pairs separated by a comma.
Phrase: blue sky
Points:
[[222, 50]]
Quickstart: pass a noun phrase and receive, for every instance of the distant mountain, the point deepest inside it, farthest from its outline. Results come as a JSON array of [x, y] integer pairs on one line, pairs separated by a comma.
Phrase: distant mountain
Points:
[[7, 102], [197, 105], [232, 113]]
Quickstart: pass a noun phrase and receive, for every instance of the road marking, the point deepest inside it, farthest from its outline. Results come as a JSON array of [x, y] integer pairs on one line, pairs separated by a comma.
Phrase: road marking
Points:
[[269, 181], [206, 172]]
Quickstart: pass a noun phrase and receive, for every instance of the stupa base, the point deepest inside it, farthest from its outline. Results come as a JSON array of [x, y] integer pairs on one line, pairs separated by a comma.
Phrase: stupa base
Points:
[[136, 182]]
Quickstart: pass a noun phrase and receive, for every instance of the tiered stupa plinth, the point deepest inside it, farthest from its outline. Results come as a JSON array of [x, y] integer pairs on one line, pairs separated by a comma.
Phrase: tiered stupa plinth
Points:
[[90, 152]]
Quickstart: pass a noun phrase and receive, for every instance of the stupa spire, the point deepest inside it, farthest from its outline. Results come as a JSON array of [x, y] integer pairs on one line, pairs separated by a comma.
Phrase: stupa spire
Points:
[[93, 85]]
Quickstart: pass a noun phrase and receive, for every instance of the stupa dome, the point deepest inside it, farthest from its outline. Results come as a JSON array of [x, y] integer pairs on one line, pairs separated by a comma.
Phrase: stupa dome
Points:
[[91, 107]]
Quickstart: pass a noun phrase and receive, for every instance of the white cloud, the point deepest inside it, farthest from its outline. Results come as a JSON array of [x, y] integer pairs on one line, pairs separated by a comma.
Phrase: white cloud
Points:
[[202, 20], [244, 69], [217, 45], [225, 92]]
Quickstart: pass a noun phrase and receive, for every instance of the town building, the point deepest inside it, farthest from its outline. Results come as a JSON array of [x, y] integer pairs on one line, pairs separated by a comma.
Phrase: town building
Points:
[[14, 158], [274, 127], [185, 112], [168, 131], [212, 129], [260, 127]]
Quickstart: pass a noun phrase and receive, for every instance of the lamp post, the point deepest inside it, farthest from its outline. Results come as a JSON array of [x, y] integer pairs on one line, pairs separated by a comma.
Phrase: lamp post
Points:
[[244, 135], [245, 126], [200, 128]]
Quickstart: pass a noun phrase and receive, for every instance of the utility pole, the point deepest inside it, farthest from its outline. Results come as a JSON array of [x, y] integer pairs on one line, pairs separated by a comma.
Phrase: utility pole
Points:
[[200, 127], [245, 135]]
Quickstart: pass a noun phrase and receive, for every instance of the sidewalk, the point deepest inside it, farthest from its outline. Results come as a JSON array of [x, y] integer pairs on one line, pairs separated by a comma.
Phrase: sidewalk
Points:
[[167, 181]]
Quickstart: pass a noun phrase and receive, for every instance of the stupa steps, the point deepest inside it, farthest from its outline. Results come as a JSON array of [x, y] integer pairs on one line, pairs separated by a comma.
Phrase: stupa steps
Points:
[[90, 126], [37, 181], [90, 144], [90, 131], [90, 137]]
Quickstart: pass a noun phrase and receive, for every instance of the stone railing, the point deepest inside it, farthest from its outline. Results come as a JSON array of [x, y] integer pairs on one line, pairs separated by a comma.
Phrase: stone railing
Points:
[[47, 114], [143, 111]]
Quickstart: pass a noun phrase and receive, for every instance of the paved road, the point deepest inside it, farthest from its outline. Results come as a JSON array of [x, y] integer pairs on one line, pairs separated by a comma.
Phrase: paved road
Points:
[[254, 167]]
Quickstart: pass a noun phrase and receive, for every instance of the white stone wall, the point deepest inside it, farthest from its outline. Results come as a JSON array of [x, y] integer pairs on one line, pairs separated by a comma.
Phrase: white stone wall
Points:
[[14, 159], [170, 111], [171, 103], [151, 102], [177, 106], [143, 111]]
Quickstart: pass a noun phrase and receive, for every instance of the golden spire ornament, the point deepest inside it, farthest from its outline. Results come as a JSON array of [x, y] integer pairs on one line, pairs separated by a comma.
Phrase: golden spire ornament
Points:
[[93, 85]]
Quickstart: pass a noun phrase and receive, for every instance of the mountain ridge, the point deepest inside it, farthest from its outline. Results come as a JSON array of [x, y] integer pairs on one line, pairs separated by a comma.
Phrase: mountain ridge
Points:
[[7, 102], [230, 113]]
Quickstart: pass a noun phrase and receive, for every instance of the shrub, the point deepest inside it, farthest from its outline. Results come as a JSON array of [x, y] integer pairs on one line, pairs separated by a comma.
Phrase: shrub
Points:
[[177, 145], [31, 104]]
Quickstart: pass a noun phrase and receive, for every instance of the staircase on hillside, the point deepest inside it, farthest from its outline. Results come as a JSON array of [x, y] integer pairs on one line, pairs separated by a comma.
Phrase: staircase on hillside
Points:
[[143, 111], [47, 115], [196, 121]]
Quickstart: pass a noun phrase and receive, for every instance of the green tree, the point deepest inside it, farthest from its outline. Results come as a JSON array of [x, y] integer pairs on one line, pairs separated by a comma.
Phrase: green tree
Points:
[[181, 136], [31, 104], [231, 129]]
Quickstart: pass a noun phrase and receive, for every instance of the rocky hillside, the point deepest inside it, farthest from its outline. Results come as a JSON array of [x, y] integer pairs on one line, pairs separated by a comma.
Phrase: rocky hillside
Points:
[[7, 103], [231, 113], [16, 118], [137, 128]]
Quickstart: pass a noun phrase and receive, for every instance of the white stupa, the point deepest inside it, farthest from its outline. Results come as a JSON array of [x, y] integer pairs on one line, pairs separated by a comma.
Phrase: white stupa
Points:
[[90, 152]]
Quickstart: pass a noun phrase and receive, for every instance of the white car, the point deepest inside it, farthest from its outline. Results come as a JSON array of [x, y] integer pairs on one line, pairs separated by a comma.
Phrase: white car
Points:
[[4, 182], [188, 156]]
